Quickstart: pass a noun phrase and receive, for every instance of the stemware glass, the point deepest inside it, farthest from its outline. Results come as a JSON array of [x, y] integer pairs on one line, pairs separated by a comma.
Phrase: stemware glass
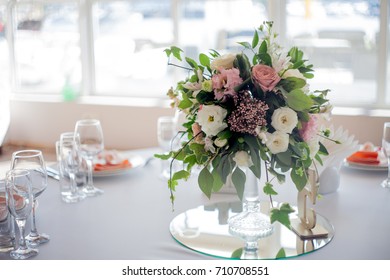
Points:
[[89, 144], [69, 163], [166, 132], [386, 151], [19, 196], [33, 161]]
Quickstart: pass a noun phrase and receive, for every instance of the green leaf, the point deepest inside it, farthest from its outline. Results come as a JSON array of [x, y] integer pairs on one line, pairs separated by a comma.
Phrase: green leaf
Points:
[[204, 60], [298, 100], [281, 215], [281, 254], [238, 179], [204, 97], [225, 134], [224, 168], [269, 189], [179, 175], [164, 156], [176, 52], [242, 63], [184, 104], [284, 158], [237, 253], [323, 150], [265, 58], [192, 63], [300, 180], [263, 47], [291, 83], [245, 44], [217, 183], [255, 39], [206, 181], [280, 177]]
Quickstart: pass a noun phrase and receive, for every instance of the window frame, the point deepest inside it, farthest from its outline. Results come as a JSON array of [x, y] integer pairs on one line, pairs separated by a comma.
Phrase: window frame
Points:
[[276, 11]]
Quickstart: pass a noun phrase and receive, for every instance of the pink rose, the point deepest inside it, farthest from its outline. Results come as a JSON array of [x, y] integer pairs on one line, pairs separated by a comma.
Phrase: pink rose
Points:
[[265, 76]]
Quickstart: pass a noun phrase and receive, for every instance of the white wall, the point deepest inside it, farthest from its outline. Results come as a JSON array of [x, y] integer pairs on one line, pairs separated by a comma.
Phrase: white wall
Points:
[[125, 127], [39, 124]]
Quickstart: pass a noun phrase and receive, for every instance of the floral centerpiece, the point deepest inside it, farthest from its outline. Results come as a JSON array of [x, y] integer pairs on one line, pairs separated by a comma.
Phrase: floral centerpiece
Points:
[[248, 112]]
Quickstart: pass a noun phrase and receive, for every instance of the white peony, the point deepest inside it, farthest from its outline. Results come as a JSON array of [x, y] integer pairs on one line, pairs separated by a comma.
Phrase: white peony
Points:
[[293, 73], [277, 142], [284, 119], [225, 61], [243, 159], [211, 118]]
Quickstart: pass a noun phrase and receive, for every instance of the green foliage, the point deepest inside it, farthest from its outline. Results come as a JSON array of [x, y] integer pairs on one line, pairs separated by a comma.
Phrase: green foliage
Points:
[[215, 154], [281, 214], [281, 254], [238, 179]]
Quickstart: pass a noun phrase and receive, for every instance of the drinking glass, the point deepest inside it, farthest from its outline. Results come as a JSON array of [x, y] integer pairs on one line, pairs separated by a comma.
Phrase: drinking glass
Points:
[[69, 163], [386, 151], [89, 144], [33, 161], [166, 132], [19, 196]]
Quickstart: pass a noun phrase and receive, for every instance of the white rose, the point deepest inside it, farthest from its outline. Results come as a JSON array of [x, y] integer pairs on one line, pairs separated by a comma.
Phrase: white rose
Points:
[[284, 119], [225, 61], [211, 118], [293, 73], [242, 158], [277, 142]]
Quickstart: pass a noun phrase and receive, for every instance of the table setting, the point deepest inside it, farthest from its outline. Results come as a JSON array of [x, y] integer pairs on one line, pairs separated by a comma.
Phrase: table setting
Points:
[[298, 187]]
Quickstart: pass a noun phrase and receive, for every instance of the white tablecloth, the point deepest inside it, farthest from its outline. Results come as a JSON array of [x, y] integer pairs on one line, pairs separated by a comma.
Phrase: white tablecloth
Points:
[[131, 219]]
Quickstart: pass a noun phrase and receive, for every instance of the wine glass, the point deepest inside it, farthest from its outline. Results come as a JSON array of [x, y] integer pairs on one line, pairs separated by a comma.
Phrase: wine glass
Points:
[[166, 132], [19, 196], [69, 163], [33, 161], [386, 151], [89, 144]]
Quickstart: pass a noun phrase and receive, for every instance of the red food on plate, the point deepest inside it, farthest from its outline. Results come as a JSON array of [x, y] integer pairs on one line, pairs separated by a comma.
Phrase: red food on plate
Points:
[[364, 157], [110, 166]]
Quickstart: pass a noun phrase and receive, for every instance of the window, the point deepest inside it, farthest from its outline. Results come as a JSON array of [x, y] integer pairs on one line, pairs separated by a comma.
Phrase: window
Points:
[[115, 47]]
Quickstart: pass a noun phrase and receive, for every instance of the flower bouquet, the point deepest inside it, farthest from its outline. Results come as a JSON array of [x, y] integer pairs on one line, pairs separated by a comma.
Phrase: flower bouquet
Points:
[[245, 111]]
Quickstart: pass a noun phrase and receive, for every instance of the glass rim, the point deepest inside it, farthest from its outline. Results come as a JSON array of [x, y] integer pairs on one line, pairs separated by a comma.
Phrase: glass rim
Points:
[[27, 153], [87, 121]]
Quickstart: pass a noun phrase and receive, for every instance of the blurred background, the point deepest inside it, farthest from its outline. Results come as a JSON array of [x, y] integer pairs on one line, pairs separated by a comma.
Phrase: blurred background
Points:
[[104, 58]]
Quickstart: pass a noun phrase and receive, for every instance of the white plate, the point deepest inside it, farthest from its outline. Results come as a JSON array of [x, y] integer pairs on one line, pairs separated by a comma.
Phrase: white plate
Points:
[[370, 167], [135, 160]]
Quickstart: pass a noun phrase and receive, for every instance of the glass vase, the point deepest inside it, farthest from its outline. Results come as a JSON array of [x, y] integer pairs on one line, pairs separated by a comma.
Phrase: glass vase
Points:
[[250, 225]]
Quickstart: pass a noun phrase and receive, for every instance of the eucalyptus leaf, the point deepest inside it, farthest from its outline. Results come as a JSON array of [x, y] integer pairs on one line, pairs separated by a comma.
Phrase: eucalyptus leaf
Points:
[[217, 183], [238, 179], [206, 181]]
